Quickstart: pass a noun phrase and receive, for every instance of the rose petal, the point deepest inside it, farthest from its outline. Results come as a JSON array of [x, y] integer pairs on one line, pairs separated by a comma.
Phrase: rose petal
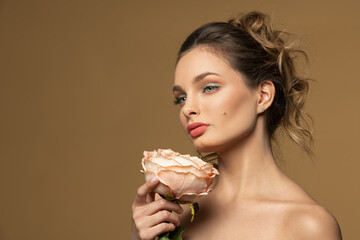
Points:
[[190, 169], [154, 167], [191, 198], [151, 166], [162, 161], [148, 154], [183, 176], [160, 188], [184, 160], [182, 183], [173, 158], [198, 161]]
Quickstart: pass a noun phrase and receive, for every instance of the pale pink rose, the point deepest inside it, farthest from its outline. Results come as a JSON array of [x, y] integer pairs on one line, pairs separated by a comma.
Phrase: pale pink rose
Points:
[[186, 178]]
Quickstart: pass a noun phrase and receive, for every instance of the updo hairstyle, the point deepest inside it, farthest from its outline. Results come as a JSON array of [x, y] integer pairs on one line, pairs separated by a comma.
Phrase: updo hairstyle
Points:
[[252, 47]]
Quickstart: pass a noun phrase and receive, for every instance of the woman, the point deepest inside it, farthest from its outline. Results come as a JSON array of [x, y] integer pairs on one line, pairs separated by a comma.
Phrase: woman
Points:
[[238, 81]]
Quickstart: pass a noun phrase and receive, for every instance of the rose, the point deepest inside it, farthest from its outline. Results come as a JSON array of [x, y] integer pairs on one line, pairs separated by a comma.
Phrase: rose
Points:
[[182, 179], [185, 178]]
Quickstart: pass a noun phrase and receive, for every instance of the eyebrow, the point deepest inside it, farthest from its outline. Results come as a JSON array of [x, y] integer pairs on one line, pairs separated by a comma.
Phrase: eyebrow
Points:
[[197, 79]]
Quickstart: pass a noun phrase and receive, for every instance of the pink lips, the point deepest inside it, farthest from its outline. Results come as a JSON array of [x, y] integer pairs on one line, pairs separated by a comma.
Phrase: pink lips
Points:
[[196, 129]]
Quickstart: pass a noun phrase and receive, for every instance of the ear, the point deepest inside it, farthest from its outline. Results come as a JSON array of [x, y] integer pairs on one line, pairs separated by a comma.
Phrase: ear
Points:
[[266, 94]]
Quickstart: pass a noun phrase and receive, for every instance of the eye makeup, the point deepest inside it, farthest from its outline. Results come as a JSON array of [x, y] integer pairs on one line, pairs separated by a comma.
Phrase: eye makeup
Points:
[[210, 87], [179, 100]]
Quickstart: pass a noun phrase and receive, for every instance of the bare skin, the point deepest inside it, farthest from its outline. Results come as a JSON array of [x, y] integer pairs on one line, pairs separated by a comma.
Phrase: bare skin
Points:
[[275, 209], [253, 199], [257, 201]]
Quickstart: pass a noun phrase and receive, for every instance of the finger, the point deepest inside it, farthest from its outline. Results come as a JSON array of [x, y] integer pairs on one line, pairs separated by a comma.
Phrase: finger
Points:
[[157, 218], [150, 197], [162, 204], [160, 228], [165, 216], [144, 189]]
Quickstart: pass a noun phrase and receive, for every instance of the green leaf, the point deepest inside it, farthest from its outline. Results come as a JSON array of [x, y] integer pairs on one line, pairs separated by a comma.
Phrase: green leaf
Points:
[[177, 233], [174, 235], [168, 197], [164, 236]]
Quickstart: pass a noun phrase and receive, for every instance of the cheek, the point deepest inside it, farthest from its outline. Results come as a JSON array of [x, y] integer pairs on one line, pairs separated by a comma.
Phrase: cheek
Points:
[[232, 104], [183, 121], [236, 111]]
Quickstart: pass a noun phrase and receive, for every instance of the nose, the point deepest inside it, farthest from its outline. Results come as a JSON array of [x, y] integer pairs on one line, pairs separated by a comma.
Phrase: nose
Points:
[[190, 108]]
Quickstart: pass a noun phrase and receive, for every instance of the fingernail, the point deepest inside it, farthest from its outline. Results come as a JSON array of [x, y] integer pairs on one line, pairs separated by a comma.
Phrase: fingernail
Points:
[[153, 179]]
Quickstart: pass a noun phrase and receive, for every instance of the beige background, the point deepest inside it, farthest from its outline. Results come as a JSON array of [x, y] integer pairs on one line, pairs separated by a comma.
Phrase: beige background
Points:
[[85, 87]]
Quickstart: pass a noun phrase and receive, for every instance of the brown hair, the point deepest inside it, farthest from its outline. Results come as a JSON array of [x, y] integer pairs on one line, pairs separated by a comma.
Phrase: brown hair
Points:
[[252, 47]]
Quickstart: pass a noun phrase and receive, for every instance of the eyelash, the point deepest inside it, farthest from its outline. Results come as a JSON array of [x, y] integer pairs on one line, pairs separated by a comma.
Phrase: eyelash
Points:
[[204, 89], [177, 100], [210, 85]]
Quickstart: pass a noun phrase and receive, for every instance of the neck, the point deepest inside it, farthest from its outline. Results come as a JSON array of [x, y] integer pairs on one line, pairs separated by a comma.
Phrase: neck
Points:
[[248, 168]]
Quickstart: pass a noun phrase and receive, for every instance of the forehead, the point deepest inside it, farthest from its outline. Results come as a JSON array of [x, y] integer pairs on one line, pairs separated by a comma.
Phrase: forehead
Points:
[[198, 61]]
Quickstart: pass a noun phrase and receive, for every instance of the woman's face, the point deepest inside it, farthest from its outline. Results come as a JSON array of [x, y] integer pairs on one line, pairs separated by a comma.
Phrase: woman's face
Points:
[[218, 110]]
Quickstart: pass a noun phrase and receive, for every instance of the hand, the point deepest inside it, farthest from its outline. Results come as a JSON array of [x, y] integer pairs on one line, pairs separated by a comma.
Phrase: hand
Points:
[[150, 217]]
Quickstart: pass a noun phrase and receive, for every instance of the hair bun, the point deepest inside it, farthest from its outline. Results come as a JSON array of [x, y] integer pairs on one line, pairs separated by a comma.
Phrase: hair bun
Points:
[[258, 25], [283, 51], [250, 22]]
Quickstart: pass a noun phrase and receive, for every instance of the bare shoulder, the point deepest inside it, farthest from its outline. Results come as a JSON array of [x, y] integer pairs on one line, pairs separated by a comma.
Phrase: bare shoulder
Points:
[[312, 221]]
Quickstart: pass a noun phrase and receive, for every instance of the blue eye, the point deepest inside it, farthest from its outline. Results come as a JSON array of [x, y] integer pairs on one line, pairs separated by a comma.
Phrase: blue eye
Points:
[[180, 100], [210, 87]]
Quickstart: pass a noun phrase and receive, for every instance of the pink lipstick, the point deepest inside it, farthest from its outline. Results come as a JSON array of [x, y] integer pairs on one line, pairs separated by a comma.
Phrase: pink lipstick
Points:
[[196, 129]]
